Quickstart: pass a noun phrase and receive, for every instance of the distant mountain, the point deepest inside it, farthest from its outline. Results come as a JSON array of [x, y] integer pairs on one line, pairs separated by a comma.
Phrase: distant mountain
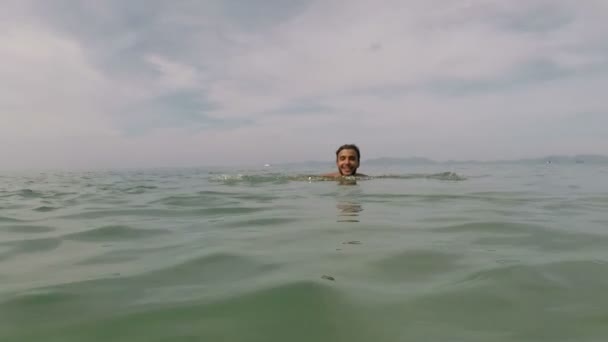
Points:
[[552, 159], [581, 158], [393, 161], [559, 159]]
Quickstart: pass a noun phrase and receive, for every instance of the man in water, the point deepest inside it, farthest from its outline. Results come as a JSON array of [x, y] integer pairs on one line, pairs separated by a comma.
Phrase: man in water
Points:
[[348, 160]]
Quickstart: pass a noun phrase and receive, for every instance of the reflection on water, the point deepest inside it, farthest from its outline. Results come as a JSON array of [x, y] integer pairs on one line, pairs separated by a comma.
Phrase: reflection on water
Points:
[[348, 211], [347, 181], [348, 204]]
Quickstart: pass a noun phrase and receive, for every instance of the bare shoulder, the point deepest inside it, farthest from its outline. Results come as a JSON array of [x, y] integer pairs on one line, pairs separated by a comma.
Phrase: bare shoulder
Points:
[[333, 174], [337, 175]]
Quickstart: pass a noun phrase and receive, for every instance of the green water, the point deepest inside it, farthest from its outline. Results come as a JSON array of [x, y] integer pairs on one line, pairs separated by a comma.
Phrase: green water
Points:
[[442, 253]]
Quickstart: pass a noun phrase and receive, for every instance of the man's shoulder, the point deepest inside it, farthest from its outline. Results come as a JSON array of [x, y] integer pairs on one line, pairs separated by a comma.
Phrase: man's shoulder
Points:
[[333, 174], [337, 174]]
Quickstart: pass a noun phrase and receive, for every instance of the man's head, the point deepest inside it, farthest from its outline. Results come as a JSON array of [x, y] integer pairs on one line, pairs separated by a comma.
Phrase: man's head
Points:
[[347, 159]]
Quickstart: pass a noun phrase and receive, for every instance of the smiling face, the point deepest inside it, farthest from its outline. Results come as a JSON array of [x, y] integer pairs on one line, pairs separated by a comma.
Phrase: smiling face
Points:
[[347, 162]]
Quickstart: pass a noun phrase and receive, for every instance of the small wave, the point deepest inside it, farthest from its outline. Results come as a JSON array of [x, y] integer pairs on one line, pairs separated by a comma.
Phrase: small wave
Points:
[[113, 257], [59, 194], [31, 229], [283, 178], [326, 178], [29, 193], [115, 233], [44, 209], [263, 222], [30, 246], [415, 265], [211, 198], [215, 267], [139, 189], [565, 275], [599, 200], [251, 179], [447, 176], [8, 219], [165, 213], [164, 305], [492, 228]]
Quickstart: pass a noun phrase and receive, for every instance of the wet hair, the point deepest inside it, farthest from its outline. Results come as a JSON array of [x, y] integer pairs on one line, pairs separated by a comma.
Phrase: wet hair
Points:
[[349, 147]]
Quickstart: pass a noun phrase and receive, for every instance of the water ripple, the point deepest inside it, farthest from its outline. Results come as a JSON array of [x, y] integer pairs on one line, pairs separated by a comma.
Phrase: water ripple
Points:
[[115, 233]]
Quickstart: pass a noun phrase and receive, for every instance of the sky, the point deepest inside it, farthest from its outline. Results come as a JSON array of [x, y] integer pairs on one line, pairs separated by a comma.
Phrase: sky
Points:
[[98, 84]]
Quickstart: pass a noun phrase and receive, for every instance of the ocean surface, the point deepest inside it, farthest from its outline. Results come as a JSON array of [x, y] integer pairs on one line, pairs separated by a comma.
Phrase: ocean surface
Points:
[[463, 252]]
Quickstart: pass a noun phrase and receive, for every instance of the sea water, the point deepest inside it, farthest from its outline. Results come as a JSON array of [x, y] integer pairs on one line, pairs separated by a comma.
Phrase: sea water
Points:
[[463, 252]]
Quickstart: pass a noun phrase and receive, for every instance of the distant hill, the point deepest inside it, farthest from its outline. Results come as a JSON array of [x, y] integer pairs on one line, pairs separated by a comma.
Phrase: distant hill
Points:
[[393, 161], [562, 159], [552, 159], [559, 159], [582, 158]]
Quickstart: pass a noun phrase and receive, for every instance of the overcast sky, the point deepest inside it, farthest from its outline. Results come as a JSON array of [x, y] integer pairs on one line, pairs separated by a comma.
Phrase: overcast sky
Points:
[[179, 83]]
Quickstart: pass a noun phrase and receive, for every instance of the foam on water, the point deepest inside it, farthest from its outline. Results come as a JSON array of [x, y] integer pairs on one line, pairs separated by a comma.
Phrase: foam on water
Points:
[[280, 178]]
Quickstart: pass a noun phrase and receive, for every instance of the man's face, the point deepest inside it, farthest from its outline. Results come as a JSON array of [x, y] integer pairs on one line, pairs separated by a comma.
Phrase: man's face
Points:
[[347, 162]]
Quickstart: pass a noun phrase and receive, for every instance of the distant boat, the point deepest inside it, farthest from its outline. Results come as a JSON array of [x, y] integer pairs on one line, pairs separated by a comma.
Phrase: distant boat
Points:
[[266, 165]]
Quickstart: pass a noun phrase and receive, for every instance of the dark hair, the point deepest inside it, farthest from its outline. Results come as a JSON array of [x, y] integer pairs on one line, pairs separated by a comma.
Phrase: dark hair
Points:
[[349, 147]]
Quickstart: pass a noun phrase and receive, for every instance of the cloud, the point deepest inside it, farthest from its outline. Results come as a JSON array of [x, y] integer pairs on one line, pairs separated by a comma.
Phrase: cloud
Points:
[[48, 88], [173, 75], [327, 51], [234, 82]]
